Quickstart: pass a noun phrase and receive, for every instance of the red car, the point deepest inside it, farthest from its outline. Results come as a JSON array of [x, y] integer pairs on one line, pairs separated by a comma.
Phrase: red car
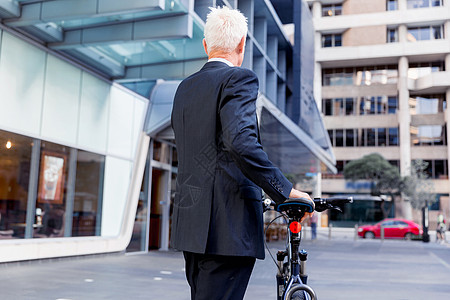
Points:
[[393, 228]]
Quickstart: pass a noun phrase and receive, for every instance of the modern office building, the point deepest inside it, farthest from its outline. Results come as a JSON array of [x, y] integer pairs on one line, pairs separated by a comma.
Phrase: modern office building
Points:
[[383, 74], [88, 162]]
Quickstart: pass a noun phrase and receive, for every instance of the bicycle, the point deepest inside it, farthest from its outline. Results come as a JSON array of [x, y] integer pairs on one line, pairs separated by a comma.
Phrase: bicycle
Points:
[[291, 276]]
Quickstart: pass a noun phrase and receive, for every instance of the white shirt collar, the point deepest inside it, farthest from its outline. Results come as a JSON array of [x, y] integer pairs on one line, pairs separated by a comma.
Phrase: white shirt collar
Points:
[[221, 60]]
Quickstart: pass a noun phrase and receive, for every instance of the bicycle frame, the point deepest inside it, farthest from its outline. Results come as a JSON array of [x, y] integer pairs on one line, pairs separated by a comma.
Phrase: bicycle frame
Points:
[[297, 280]]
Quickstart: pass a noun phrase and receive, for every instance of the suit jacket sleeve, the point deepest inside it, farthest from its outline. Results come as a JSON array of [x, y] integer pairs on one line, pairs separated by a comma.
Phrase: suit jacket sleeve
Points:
[[237, 109]]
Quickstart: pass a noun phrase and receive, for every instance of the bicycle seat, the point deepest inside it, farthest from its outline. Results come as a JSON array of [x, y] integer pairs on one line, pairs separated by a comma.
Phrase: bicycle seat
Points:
[[303, 204]]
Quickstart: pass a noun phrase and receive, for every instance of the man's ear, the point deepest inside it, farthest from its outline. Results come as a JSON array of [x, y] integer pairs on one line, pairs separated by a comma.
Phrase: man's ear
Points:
[[241, 45], [205, 46]]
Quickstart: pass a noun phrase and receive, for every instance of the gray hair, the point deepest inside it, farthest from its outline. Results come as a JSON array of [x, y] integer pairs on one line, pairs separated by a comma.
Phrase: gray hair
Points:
[[224, 28]]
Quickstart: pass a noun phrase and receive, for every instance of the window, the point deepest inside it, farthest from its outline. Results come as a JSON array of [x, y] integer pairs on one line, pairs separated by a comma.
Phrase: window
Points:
[[428, 135], [393, 136], [331, 40], [427, 104], [392, 35], [331, 10], [349, 106], [412, 4], [381, 137], [437, 169], [392, 105], [391, 5], [350, 140], [15, 166], [327, 107], [68, 198], [360, 75], [425, 33], [417, 70], [339, 138]]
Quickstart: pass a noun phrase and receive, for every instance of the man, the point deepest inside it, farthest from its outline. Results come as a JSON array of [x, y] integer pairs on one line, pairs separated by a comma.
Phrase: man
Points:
[[217, 219]]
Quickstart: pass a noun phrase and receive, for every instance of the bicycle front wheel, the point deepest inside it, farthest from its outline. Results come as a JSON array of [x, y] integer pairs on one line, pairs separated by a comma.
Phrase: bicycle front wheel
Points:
[[299, 295]]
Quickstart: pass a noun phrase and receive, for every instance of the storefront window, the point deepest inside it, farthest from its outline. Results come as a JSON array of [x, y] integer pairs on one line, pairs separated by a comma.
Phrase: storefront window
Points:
[[68, 198], [52, 190], [15, 161], [88, 194]]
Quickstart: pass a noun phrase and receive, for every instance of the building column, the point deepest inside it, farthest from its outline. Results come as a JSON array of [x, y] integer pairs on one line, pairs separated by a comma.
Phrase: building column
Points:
[[402, 5], [402, 33], [317, 9], [447, 119], [447, 30], [404, 120]]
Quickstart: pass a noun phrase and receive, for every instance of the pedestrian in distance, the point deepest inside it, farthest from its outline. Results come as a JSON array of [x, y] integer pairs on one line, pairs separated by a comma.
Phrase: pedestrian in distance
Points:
[[313, 222], [441, 227], [218, 214]]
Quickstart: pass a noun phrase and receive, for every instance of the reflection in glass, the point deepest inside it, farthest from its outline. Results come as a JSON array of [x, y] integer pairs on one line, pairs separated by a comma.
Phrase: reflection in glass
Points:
[[15, 160], [53, 209], [393, 136], [88, 194]]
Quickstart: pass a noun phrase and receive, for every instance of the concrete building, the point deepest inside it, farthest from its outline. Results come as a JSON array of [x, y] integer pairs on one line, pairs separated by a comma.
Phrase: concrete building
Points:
[[383, 74], [88, 161]]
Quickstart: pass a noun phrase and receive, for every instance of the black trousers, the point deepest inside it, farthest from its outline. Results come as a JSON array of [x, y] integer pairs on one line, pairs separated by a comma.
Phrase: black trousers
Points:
[[217, 277]]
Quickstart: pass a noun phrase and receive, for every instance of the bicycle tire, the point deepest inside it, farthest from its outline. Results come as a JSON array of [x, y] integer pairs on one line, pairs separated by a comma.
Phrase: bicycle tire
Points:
[[299, 295]]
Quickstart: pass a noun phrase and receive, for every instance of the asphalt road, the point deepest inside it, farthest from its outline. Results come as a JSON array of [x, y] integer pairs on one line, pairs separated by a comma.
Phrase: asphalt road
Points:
[[338, 268]]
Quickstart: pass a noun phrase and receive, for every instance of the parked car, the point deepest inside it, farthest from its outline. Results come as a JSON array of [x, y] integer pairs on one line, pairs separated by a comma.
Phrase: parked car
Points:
[[393, 228]]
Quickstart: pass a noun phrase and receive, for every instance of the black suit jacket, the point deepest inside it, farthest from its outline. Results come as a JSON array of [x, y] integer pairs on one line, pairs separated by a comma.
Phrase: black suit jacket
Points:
[[221, 164]]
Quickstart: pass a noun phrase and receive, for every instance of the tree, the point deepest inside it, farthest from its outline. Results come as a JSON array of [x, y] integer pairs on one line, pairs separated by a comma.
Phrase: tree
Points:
[[418, 187], [385, 177]]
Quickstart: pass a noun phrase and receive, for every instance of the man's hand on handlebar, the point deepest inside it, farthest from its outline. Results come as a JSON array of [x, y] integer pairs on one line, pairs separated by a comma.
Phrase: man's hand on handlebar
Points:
[[298, 194]]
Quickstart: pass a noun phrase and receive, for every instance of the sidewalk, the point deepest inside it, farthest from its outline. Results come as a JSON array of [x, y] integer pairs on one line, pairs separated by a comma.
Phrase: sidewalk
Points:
[[340, 268]]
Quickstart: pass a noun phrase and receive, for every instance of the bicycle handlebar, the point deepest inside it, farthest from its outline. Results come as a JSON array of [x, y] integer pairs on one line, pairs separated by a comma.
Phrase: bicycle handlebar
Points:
[[331, 203]]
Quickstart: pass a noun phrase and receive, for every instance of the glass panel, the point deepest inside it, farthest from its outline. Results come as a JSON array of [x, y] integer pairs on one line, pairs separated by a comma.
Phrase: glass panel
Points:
[[349, 138], [161, 152], [327, 10], [440, 169], [15, 160], [392, 5], [413, 35], [337, 9], [381, 137], [436, 2], [338, 107], [52, 188], [371, 139], [425, 33], [67, 23], [150, 52], [327, 40], [437, 32], [327, 107], [349, 104], [392, 105], [88, 194], [339, 138], [393, 136], [418, 3], [337, 40]]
